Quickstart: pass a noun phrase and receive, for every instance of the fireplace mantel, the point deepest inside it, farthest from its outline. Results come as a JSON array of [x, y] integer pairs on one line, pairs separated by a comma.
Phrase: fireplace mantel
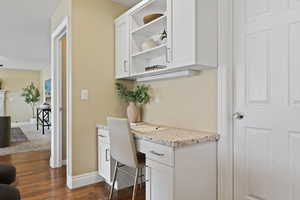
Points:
[[2, 102]]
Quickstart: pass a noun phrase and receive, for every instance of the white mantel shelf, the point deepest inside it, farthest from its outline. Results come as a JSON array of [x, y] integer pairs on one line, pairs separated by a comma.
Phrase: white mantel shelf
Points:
[[2, 102]]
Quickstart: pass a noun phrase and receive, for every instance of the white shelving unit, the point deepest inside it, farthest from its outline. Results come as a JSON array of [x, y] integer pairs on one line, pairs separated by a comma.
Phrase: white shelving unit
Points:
[[151, 53], [191, 44], [147, 30], [141, 59]]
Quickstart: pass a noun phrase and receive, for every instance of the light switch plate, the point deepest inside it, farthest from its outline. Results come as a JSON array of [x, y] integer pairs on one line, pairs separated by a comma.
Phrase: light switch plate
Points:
[[84, 94]]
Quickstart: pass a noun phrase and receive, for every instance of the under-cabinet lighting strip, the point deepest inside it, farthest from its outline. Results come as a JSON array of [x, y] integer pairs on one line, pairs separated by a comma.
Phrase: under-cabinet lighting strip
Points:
[[169, 75]]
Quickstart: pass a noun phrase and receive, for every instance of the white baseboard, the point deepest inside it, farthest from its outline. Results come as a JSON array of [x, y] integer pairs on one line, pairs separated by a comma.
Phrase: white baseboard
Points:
[[16, 124], [84, 180], [64, 162]]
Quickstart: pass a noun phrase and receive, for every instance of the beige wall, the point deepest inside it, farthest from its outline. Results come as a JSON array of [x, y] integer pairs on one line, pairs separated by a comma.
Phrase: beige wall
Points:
[[14, 81], [189, 102], [93, 69]]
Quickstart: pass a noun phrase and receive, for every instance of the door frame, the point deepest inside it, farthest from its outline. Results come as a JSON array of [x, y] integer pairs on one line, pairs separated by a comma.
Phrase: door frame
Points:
[[225, 102], [63, 29]]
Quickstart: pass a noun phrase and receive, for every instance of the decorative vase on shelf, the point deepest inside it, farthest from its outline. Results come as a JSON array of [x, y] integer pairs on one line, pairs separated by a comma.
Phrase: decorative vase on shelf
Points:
[[133, 112]]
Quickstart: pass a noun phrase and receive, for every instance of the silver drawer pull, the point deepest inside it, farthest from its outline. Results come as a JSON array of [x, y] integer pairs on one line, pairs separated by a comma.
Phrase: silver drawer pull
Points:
[[106, 156], [157, 154], [103, 136]]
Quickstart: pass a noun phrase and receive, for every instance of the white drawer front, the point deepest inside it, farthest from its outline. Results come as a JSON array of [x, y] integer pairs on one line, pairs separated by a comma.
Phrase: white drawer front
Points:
[[103, 136], [160, 153], [142, 146]]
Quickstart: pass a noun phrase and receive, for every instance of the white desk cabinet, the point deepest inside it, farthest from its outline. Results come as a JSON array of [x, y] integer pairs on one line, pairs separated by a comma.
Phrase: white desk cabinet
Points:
[[186, 172], [104, 161], [160, 181]]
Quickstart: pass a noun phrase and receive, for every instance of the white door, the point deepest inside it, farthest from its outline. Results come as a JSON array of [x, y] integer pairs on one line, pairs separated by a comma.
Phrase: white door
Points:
[[159, 181], [122, 46], [267, 83]]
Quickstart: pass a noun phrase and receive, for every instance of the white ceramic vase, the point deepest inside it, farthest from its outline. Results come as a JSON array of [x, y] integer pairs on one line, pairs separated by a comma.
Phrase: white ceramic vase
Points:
[[133, 113]]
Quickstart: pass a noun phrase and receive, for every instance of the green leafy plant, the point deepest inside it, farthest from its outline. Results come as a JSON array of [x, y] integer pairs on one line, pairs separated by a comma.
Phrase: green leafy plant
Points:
[[31, 96], [140, 94]]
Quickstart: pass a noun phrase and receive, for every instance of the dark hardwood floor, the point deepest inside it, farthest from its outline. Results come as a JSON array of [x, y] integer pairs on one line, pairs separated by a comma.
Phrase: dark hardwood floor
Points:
[[37, 181]]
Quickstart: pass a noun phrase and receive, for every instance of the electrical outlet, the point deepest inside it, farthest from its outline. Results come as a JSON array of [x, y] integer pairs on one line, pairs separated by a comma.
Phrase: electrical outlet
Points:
[[84, 94]]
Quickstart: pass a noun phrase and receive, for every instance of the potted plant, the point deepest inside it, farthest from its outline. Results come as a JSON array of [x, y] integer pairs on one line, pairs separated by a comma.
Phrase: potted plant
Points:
[[31, 96], [135, 98]]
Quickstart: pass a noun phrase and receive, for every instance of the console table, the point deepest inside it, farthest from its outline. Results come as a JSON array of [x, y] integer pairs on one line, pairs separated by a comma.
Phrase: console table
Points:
[[43, 118]]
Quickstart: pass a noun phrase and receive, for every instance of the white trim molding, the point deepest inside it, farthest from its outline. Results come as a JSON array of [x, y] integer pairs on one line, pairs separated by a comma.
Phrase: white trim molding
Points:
[[84, 180], [16, 124], [63, 29], [225, 101], [56, 136]]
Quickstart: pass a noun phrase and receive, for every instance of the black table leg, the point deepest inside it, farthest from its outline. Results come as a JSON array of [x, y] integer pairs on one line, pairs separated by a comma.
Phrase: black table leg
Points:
[[37, 119], [48, 119], [43, 122]]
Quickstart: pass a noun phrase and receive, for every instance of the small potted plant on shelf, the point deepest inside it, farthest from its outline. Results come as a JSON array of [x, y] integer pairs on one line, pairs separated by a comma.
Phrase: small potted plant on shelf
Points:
[[135, 98], [31, 96]]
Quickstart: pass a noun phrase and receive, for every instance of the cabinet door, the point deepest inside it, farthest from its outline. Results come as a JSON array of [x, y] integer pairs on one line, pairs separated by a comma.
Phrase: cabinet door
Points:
[[169, 14], [104, 161], [159, 181], [183, 32], [122, 46]]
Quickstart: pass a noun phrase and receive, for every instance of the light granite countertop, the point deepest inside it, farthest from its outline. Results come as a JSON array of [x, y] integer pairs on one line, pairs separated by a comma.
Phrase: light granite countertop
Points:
[[169, 136]]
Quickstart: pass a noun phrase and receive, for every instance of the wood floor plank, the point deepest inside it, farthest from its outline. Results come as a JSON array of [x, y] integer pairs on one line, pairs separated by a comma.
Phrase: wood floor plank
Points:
[[37, 181]]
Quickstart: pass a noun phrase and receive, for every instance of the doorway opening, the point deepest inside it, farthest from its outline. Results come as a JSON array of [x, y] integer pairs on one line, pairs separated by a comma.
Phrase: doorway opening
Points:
[[61, 100]]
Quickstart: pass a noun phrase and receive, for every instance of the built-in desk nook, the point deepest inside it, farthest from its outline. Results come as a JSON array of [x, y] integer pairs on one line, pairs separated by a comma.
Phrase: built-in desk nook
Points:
[[180, 164]]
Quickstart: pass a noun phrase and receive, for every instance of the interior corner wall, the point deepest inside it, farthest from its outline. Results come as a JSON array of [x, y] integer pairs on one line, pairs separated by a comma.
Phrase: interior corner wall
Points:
[[93, 69]]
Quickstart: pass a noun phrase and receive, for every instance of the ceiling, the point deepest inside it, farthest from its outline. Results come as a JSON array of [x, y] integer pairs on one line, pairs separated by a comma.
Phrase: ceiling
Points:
[[127, 2], [25, 33]]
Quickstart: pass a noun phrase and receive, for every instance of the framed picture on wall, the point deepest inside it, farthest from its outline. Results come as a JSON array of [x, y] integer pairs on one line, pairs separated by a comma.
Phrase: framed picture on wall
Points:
[[48, 89]]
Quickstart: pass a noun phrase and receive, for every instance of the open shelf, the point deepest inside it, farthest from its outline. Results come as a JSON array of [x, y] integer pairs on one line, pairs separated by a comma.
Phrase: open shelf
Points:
[[151, 53], [154, 27], [149, 7]]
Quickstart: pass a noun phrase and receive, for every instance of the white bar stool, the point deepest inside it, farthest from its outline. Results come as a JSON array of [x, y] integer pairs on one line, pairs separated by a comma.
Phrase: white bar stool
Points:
[[123, 150]]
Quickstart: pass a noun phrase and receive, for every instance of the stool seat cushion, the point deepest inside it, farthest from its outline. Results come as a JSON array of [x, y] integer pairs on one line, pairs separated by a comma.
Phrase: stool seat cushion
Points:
[[7, 174], [9, 193]]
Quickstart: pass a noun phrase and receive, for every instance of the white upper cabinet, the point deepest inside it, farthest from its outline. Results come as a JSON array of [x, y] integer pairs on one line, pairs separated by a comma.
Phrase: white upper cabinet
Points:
[[184, 36], [122, 47], [195, 33]]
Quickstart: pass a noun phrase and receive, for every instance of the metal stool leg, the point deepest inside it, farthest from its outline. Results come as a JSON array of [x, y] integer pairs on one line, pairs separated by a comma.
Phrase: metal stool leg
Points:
[[135, 183], [141, 178], [114, 181]]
